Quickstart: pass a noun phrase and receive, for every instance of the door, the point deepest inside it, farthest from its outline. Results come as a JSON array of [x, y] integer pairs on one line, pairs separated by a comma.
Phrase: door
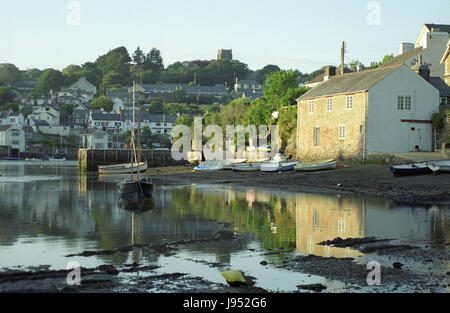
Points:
[[420, 138]]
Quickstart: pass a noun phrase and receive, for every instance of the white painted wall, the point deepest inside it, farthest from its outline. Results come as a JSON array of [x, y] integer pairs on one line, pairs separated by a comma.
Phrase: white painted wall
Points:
[[433, 49], [386, 132], [15, 142]]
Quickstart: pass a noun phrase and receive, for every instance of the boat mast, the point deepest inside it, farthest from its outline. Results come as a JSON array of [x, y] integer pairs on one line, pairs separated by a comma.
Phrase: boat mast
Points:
[[132, 135], [139, 143]]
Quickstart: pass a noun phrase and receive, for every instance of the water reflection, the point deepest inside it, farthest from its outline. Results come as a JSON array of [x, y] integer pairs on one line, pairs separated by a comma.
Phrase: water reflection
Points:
[[67, 213]]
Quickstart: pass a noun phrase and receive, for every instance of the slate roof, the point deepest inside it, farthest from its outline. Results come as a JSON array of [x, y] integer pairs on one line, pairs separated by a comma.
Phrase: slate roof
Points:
[[127, 115], [402, 58], [5, 127], [442, 27], [4, 114], [439, 84], [353, 82], [106, 117], [319, 78], [40, 123]]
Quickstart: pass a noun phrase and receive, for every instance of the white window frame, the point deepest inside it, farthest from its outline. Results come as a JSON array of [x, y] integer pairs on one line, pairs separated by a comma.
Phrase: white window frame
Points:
[[401, 106], [311, 106], [342, 132], [443, 100], [347, 102], [329, 104], [316, 136]]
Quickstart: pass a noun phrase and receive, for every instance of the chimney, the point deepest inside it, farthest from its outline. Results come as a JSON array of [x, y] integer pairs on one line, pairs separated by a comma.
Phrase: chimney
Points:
[[406, 46], [422, 69], [330, 71]]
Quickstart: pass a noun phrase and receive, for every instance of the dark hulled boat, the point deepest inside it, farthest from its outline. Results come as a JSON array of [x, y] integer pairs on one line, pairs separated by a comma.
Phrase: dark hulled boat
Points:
[[411, 169]]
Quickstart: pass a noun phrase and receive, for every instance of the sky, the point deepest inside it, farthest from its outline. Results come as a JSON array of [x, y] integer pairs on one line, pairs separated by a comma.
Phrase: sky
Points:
[[293, 34]]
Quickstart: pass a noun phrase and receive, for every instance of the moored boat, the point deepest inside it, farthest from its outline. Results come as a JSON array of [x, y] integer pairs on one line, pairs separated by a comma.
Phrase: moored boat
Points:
[[411, 169], [228, 164], [439, 166], [316, 166], [126, 168], [247, 167], [278, 166], [135, 189]]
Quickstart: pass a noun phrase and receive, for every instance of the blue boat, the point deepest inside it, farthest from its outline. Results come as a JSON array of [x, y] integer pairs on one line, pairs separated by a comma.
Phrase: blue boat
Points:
[[411, 169], [12, 159]]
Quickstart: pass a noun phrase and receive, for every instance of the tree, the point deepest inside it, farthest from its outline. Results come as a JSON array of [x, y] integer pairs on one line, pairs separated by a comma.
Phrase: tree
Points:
[[7, 95], [50, 80], [260, 112], [157, 106], [179, 96], [153, 61], [184, 120], [235, 112], [33, 74], [262, 73], [102, 102], [9, 73], [276, 89], [138, 56]]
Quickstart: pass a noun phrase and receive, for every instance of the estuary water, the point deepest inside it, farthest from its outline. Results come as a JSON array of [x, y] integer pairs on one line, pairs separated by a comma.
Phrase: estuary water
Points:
[[49, 211]]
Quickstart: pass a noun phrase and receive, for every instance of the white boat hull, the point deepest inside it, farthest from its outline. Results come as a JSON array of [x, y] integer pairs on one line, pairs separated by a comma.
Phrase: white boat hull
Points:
[[316, 167], [439, 166], [123, 168]]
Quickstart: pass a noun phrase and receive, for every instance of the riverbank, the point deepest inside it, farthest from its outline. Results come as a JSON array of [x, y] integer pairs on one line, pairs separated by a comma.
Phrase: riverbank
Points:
[[370, 180]]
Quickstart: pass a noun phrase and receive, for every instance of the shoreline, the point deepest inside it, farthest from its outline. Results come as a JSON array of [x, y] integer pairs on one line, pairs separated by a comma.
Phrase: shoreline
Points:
[[367, 180]]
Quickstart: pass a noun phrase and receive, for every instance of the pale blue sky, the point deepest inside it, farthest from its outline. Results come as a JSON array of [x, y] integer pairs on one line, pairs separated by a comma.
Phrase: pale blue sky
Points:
[[303, 35]]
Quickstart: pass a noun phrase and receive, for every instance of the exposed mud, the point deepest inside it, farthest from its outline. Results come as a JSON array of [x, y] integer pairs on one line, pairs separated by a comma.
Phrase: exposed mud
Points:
[[371, 180]]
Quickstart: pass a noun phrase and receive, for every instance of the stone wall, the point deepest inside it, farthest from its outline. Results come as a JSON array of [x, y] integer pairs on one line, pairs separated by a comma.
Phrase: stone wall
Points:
[[89, 159], [330, 145]]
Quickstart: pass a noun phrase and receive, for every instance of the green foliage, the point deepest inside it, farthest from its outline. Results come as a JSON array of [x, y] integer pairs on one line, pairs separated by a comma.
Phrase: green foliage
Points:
[[50, 142], [50, 80], [157, 106], [287, 122], [385, 59], [9, 73], [102, 102], [261, 74], [179, 96], [438, 121], [276, 89], [235, 112], [7, 95], [260, 112], [184, 120]]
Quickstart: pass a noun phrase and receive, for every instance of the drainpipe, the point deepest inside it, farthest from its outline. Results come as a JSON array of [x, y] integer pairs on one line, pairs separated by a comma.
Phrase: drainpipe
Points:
[[365, 126]]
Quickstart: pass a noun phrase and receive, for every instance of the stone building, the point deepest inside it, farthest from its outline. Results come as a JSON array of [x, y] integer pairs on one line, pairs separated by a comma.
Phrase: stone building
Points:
[[225, 54], [385, 110]]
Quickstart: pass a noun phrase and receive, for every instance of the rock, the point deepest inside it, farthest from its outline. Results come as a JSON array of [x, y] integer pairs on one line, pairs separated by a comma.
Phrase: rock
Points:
[[397, 265], [263, 263], [313, 287]]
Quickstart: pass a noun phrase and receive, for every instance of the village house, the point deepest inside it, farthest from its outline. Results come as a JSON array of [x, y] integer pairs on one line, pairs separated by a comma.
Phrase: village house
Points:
[[106, 121], [11, 118], [13, 137], [431, 44], [99, 139], [80, 116], [158, 123], [445, 60], [384, 110], [82, 84], [46, 113], [248, 89]]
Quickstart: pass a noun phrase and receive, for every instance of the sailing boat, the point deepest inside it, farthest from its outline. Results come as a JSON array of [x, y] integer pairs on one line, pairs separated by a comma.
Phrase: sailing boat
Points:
[[136, 188]]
